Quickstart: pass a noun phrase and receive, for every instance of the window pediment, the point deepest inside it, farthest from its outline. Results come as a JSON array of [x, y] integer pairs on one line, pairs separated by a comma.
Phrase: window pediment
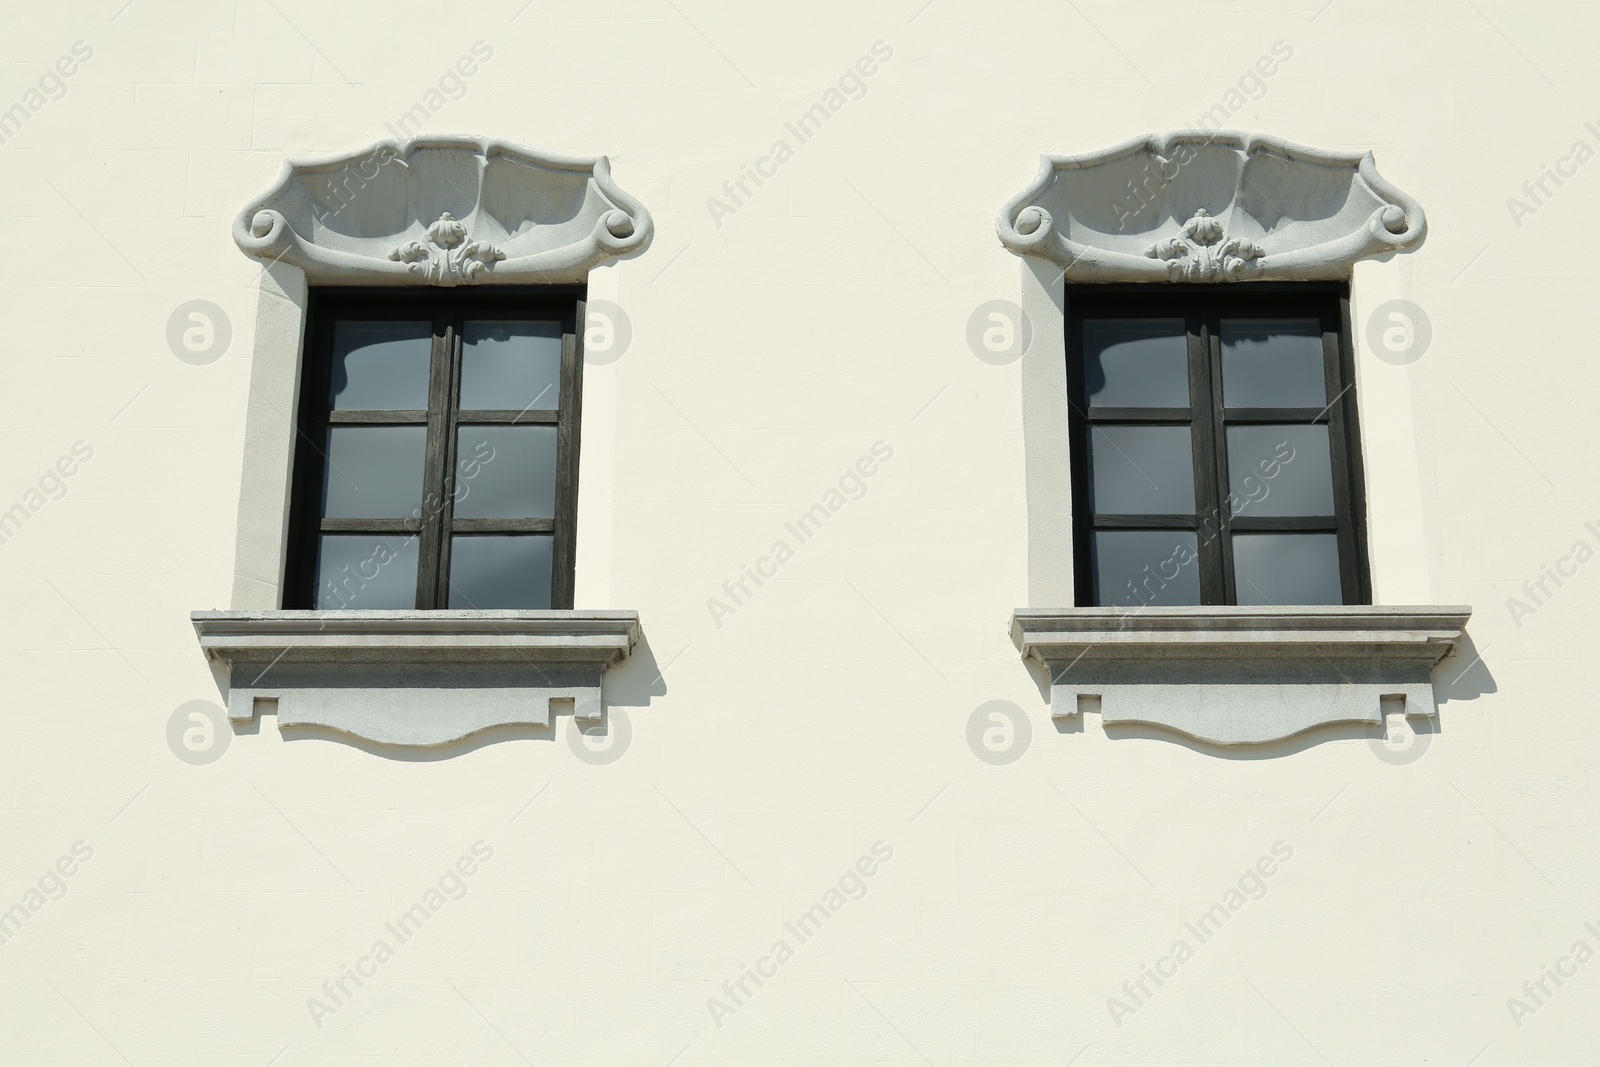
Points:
[[444, 211], [1209, 207]]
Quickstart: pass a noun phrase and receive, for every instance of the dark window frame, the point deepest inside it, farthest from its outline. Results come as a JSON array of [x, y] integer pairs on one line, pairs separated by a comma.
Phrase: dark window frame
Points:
[[447, 308], [1201, 307]]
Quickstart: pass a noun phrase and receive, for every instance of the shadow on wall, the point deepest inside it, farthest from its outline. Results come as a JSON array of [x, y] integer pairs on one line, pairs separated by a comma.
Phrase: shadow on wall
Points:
[[630, 684], [1463, 675]]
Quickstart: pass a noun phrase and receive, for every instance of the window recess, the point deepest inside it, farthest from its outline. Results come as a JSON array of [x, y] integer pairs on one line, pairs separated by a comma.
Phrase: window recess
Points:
[[437, 455]]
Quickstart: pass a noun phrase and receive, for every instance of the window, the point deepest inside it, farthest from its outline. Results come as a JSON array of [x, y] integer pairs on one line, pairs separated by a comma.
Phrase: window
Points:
[[1214, 446], [436, 463]]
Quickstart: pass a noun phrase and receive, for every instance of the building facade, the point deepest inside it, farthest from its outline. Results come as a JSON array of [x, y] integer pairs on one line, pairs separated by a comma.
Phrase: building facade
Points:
[[667, 532]]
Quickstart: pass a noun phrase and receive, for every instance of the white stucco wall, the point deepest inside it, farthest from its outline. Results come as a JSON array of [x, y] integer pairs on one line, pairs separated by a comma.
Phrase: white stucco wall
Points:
[[773, 748]]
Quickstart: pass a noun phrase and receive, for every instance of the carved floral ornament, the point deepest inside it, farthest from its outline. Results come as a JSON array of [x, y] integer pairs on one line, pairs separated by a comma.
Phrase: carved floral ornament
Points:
[[444, 211], [1217, 207], [448, 258]]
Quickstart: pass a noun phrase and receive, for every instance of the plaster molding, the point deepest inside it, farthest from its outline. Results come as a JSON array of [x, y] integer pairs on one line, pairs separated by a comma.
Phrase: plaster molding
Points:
[[446, 211], [415, 677], [1240, 675], [1209, 207], [448, 258]]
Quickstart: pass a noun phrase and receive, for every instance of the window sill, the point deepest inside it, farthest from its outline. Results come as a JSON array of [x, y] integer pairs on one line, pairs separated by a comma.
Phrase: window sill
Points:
[[1240, 675], [415, 677]]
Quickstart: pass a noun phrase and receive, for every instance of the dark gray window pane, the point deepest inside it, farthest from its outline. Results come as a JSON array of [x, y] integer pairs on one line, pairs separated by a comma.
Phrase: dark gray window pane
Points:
[[1272, 363], [381, 366], [1136, 363], [1141, 470], [358, 571], [1286, 569], [1279, 470], [500, 571], [511, 366], [1134, 567], [374, 472], [506, 472]]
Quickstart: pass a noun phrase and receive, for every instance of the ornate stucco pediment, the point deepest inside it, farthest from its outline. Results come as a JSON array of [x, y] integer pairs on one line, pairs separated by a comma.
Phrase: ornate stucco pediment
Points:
[[444, 211], [1218, 207]]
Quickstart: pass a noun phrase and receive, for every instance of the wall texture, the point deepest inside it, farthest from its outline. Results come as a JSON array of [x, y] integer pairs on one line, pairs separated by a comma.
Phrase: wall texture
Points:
[[541, 901]]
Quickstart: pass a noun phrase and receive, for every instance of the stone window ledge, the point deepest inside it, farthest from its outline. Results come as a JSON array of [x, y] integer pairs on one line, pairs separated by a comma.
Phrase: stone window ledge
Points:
[[415, 677], [1240, 675]]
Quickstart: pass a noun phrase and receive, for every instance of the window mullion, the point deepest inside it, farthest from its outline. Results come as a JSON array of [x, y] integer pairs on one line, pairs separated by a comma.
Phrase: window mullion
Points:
[[451, 417], [1225, 591], [432, 552], [1210, 476]]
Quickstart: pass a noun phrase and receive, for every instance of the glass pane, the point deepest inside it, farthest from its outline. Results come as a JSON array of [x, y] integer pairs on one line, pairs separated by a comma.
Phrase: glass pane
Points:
[[500, 571], [1286, 569], [1279, 470], [511, 366], [1272, 364], [506, 472], [381, 366], [374, 472], [1134, 567], [1136, 363], [1141, 470], [366, 571]]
